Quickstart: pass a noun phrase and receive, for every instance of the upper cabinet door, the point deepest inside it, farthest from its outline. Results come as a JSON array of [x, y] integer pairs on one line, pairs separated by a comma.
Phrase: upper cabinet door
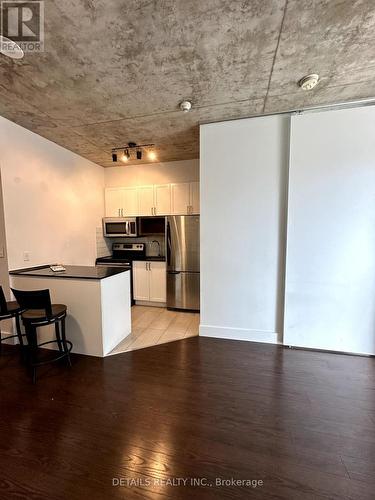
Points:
[[162, 195], [146, 200], [194, 198], [113, 202], [130, 202], [180, 196]]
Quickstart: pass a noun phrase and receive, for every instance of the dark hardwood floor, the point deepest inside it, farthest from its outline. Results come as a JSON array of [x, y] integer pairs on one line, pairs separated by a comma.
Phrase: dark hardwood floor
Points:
[[302, 422]]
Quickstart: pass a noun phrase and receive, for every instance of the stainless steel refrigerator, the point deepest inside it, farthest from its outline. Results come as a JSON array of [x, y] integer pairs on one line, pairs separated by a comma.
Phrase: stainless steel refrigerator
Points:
[[182, 241]]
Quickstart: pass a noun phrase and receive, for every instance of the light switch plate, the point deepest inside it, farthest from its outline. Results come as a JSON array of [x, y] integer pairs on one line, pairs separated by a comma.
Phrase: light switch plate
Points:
[[2, 253], [26, 256]]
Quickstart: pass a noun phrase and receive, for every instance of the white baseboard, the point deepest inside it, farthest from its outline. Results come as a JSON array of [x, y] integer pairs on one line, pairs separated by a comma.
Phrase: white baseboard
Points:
[[150, 304], [238, 334]]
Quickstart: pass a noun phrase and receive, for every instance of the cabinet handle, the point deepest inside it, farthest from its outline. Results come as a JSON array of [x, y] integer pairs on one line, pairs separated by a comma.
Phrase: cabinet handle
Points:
[[154, 210], [119, 212]]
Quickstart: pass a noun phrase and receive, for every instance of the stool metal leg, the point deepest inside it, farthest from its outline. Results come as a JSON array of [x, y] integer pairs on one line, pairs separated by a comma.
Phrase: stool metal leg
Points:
[[58, 338], [32, 348], [18, 330], [66, 348]]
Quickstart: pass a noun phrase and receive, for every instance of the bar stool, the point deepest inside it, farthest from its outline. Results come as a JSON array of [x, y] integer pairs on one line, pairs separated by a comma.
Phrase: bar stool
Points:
[[10, 310], [40, 312]]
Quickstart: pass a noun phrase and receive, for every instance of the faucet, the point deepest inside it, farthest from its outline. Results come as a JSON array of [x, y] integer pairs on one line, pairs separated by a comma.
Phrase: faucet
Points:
[[158, 243]]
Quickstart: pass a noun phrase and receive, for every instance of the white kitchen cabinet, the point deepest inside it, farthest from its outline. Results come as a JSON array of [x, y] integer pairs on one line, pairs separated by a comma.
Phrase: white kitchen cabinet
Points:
[[162, 197], [158, 282], [185, 198], [141, 280], [146, 200], [194, 198], [149, 281], [113, 202], [130, 202], [159, 199], [180, 196], [121, 202]]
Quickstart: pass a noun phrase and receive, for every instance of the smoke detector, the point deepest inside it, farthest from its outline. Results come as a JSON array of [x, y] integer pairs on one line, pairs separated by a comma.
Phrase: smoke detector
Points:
[[185, 106], [309, 82], [10, 48]]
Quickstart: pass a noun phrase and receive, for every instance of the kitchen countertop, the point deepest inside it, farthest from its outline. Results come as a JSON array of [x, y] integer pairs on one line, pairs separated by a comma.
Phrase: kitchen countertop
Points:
[[154, 259], [72, 272]]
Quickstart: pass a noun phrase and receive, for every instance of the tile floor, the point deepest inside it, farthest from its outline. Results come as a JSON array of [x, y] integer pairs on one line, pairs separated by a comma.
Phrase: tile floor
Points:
[[156, 325]]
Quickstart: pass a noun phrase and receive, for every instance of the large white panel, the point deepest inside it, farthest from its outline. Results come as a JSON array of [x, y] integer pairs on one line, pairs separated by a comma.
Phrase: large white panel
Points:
[[243, 193], [330, 286]]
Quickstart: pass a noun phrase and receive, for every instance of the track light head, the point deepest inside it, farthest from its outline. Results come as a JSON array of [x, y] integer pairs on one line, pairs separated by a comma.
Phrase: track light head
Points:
[[114, 156], [139, 154], [125, 157]]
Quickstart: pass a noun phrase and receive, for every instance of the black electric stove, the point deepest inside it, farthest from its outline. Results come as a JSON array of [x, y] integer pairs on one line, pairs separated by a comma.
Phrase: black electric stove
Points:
[[123, 254]]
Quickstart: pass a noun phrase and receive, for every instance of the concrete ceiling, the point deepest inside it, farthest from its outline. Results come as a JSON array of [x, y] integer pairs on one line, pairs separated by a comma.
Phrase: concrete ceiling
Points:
[[114, 71]]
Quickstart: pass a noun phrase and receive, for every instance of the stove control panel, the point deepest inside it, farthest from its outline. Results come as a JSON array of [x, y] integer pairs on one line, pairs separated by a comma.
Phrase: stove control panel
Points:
[[128, 247]]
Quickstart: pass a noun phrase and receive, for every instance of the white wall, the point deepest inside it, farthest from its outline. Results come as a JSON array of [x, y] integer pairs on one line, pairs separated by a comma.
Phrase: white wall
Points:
[[6, 326], [4, 276], [151, 173], [53, 200], [330, 293], [243, 205]]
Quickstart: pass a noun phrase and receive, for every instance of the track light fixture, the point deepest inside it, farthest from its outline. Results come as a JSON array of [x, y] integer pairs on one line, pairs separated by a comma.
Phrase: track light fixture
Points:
[[138, 152]]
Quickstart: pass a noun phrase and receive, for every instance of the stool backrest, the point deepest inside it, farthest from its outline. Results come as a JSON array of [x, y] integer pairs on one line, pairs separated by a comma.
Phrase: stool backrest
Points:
[[3, 303], [35, 299]]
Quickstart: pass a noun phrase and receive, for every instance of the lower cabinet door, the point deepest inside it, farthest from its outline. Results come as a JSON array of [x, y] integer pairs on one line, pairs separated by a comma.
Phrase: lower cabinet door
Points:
[[158, 282], [141, 280]]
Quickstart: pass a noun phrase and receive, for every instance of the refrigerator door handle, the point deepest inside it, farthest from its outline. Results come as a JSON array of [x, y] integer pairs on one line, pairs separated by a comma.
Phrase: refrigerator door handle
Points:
[[174, 272], [169, 244]]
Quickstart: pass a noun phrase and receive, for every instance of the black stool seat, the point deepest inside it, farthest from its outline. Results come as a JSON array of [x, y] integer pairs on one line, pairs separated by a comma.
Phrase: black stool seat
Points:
[[39, 315]]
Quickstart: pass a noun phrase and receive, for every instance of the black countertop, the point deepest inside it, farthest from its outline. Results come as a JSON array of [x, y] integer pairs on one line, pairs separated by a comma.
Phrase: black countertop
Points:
[[72, 272], [153, 259]]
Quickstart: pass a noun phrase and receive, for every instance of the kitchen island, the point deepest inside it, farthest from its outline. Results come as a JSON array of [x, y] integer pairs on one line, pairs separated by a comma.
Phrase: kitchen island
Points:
[[98, 301]]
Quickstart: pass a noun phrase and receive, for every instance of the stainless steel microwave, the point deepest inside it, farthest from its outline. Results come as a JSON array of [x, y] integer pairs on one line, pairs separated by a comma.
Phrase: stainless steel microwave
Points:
[[120, 227]]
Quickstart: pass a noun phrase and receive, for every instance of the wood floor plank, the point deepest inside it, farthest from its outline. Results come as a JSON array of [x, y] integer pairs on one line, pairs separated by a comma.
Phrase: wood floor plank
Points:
[[301, 422]]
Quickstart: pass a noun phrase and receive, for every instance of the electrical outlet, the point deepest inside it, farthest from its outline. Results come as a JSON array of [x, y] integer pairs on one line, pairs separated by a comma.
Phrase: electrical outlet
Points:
[[26, 256]]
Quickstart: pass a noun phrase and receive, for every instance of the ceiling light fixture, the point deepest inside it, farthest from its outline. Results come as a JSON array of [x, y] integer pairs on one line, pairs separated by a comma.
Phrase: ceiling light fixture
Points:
[[126, 156], [131, 151], [152, 155], [185, 106], [10, 48], [308, 82]]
